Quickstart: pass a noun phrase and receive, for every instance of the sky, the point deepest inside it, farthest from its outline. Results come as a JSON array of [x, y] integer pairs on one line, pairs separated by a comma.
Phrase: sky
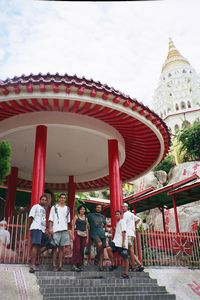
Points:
[[122, 44]]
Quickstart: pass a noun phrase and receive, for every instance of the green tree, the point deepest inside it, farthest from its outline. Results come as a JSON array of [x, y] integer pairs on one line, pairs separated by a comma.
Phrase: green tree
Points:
[[106, 194], [5, 159], [189, 140], [166, 164]]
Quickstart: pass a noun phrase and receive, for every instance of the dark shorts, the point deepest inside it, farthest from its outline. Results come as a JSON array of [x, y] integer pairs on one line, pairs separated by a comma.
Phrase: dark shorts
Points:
[[121, 251], [39, 238], [97, 239]]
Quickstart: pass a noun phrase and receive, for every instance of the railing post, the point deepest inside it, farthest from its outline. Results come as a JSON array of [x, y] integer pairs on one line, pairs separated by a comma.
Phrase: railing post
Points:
[[163, 218], [176, 215]]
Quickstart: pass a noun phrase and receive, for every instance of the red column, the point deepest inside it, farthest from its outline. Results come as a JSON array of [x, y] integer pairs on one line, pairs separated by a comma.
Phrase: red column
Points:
[[39, 165], [115, 180], [11, 193], [71, 196], [176, 215]]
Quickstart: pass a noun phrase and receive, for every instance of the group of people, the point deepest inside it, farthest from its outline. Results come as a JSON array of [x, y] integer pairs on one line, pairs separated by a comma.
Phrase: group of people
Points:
[[53, 233]]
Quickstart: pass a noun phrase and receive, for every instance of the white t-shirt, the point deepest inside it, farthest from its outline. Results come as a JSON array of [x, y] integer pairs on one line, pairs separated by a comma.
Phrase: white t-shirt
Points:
[[38, 213], [60, 216], [130, 220], [120, 227], [4, 236]]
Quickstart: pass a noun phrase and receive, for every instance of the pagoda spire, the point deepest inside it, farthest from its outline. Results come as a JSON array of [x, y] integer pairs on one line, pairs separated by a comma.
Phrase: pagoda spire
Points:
[[173, 56]]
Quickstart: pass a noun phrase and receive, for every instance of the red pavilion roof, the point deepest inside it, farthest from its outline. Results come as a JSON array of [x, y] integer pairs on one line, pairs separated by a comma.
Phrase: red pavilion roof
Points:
[[138, 125]]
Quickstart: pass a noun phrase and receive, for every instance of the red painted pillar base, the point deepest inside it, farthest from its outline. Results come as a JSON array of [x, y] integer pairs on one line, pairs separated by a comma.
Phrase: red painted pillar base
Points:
[[11, 193], [39, 165], [71, 196], [176, 215], [115, 180]]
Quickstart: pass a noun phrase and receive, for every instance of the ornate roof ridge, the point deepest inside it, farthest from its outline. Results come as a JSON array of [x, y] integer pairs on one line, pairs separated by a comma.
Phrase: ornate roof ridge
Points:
[[77, 81]]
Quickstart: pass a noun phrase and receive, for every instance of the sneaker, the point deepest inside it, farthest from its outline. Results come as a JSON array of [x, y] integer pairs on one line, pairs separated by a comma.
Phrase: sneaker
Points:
[[139, 269], [112, 268]]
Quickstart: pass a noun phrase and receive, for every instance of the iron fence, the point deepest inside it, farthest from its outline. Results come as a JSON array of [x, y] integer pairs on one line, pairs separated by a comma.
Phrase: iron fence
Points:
[[15, 242], [154, 248], [169, 248]]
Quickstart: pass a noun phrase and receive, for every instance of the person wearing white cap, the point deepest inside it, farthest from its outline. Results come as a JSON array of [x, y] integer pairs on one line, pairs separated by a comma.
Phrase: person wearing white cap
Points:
[[131, 222], [6, 254]]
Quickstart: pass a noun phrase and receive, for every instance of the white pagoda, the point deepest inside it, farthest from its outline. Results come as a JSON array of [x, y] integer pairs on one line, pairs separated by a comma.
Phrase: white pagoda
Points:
[[177, 97]]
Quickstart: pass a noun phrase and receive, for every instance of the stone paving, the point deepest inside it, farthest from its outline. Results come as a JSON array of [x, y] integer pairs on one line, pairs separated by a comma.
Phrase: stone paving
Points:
[[18, 284], [181, 281]]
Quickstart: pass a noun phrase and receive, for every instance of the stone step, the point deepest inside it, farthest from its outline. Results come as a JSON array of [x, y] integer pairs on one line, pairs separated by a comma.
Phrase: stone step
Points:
[[94, 282], [90, 268], [88, 274], [112, 297], [100, 289], [94, 285]]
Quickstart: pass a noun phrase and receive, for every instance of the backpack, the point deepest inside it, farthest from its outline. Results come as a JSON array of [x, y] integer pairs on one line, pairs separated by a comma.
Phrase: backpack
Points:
[[56, 212]]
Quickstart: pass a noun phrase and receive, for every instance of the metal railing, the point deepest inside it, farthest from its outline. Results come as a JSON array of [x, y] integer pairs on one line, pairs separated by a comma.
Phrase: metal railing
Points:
[[154, 248], [158, 248], [14, 241]]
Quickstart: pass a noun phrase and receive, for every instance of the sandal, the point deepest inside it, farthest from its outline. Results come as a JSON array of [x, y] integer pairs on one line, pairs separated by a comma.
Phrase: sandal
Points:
[[61, 269], [75, 269], [112, 268], [80, 268], [55, 269], [124, 276], [31, 270], [139, 269]]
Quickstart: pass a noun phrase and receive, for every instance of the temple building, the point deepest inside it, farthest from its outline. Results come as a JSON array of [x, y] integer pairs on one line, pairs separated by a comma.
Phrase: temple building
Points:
[[177, 97]]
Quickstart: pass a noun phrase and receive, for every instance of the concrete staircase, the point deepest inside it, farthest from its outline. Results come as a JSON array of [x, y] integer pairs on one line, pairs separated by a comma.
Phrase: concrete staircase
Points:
[[93, 285]]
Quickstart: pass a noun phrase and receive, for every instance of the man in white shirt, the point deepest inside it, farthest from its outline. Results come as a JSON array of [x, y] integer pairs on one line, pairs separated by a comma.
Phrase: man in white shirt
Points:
[[59, 218], [119, 244], [131, 222], [37, 225]]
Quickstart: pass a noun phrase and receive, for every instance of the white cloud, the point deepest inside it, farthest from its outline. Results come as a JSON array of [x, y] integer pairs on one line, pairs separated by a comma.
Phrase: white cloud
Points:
[[123, 44]]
